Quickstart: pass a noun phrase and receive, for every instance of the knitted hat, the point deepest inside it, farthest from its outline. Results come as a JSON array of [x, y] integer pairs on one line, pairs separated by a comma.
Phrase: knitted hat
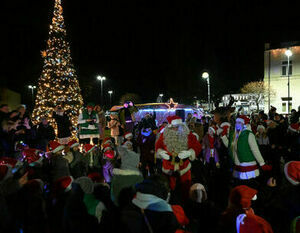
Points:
[[241, 196], [73, 143], [32, 156], [109, 154], [251, 223], [243, 119], [292, 172], [64, 183], [174, 120], [197, 189], [5, 172], [260, 127], [128, 135], [129, 160], [55, 146], [89, 148], [86, 184]]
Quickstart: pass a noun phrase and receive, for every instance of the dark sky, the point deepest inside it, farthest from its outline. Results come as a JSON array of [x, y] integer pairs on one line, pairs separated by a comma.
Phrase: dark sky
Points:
[[147, 47]]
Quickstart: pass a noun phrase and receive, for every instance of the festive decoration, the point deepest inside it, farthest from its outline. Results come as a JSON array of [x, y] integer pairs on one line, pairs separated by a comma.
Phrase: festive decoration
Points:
[[58, 83], [171, 104]]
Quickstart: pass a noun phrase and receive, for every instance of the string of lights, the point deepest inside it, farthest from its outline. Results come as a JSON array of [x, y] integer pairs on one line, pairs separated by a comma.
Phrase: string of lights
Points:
[[58, 84]]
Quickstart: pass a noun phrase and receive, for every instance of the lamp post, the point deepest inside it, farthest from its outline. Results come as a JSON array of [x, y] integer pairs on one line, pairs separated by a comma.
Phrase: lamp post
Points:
[[205, 75], [288, 53], [110, 93], [101, 79], [32, 92]]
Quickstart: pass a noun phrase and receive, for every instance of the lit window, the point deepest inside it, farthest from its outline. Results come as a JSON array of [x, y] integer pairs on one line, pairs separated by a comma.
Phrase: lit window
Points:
[[283, 107]]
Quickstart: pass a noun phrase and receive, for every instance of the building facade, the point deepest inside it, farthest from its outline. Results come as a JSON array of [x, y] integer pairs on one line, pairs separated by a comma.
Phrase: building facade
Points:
[[245, 101], [276, 77]]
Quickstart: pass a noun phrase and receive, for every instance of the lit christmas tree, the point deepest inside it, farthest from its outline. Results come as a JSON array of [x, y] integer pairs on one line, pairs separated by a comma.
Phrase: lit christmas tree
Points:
[[58, 82]]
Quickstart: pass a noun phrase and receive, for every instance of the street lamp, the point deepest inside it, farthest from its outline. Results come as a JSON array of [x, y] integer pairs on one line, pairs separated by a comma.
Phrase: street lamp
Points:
[[32, 90], [110, 93], [101, 79], [205, 75], [288, 53]]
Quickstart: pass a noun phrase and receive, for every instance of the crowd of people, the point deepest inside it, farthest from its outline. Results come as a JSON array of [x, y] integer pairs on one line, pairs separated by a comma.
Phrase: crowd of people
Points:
[[224, 172]]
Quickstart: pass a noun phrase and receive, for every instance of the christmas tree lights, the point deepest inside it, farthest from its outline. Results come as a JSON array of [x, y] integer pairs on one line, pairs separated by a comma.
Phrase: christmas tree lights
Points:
[[58, 84]]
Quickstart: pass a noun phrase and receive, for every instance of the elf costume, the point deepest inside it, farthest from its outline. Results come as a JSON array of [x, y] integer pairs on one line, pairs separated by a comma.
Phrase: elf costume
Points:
[[88, 123], [244, 151]]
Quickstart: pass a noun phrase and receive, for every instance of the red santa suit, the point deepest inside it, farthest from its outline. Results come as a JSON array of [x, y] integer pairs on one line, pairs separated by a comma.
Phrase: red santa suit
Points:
[[179, 161]]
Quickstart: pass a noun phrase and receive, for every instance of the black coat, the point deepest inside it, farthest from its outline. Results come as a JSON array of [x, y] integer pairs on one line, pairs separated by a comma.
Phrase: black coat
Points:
[[45, 132], [63, 125]]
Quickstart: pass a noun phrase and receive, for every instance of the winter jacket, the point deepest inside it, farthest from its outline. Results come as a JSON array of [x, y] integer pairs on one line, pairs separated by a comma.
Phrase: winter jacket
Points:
[[45, 132], [59, 167]]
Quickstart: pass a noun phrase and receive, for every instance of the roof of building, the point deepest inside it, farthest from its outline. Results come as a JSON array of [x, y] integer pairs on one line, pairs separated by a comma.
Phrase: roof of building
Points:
[[281, 45]]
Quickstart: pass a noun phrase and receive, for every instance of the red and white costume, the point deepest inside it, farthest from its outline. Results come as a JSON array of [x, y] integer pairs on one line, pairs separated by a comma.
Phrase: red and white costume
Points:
[[181, 164]]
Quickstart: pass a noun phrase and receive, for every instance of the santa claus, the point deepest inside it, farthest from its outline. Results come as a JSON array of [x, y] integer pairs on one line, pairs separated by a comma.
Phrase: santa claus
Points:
[[176, 146]]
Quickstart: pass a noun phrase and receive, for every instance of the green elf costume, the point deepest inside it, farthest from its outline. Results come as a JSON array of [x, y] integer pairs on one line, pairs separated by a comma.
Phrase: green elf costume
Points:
[[88, 123], [244, 151]]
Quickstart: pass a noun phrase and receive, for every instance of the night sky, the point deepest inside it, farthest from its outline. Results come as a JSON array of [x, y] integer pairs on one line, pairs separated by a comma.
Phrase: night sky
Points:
[[147, 47]]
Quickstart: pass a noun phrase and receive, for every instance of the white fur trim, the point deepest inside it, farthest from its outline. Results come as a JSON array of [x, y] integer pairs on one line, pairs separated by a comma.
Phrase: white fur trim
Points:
[[193, 154], [75, 144], [70, 185], [91, 149], [246, 164], [293, 182], [98, 211], [163, 154], [126, 172], [83, 136], [184, 154], [181, 172], [59, 148], [176, 122], [128, 135], [196, 135], [254, 198], [225, 124], [246, 175]]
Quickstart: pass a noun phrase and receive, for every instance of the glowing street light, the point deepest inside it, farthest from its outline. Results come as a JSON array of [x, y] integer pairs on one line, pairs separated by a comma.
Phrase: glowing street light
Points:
[[32, 92], [205, 75], [101, 79], [110, 93], [288, 53]]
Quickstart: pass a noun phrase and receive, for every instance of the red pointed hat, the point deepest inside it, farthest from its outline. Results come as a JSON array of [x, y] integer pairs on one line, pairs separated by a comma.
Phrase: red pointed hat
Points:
[[174, 120], [55, 146], [32, 156], [73, 143], [242, 195], [96, 177], [106, 141], [292, 172], [88, 148], [127, 135], [64, 184], [251, 223], [244, 119]]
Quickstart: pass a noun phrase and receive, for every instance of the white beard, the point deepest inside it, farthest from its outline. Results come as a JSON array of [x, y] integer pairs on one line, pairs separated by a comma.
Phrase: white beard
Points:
[[176, 141]]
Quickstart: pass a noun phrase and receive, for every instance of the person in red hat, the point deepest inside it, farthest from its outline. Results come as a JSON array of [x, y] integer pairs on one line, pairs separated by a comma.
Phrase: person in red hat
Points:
[[77, 166], [211, 144], [250, 223], [176, 146], [244, 151]]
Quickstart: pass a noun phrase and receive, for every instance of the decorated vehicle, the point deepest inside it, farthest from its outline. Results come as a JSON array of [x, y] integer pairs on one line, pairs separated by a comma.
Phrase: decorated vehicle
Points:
[[163, 110]]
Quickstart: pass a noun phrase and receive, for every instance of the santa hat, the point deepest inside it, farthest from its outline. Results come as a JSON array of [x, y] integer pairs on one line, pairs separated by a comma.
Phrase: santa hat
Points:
[[243, 119], [242, 195], [5, 172], [199, 190], [32, 156], [106, 141], [174, 120], [214, 129], [109, 154], [56, 146], [162, 129], [64, 183], [251, 223], [90, 105], [86, 184], [127, 135], [180, 215], [89, 148], [96, 177], [106, 148], [73, 143], [260, 127], [125, 144], [292, 172], [196, 135]]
